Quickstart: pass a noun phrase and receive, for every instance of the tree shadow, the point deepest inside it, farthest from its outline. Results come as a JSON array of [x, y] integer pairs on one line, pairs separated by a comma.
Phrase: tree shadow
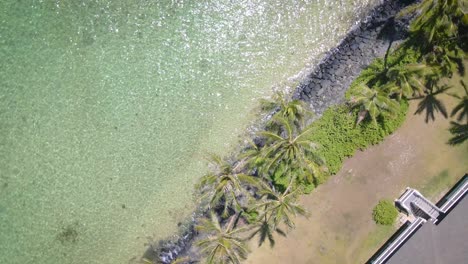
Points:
[[388, 33], [265, 231], [431, 104], [460, 111], [459, 132]]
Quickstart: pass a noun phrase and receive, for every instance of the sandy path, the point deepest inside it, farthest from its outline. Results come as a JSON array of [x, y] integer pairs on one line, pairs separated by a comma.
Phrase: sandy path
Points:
[[341, 222]]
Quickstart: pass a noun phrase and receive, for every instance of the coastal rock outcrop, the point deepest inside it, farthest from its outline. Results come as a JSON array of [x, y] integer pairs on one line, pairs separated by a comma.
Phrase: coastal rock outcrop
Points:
[[327, 83]]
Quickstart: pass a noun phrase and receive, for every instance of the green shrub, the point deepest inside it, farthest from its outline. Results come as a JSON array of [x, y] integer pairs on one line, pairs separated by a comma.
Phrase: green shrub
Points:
[[339, 137], [307, 188], [336, 135], [385, 213]]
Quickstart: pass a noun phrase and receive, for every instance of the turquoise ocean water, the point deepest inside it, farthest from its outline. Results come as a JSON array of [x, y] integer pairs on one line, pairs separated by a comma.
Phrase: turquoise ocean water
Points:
[[108, 107]]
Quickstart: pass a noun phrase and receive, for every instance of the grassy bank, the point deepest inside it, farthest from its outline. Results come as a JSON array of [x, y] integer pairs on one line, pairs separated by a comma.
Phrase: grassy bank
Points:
[[337, 132], [339, 136]]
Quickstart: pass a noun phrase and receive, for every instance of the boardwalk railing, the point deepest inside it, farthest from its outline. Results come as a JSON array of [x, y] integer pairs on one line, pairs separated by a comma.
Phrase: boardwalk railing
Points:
[[444, 206], [455, 195], [398, 241]]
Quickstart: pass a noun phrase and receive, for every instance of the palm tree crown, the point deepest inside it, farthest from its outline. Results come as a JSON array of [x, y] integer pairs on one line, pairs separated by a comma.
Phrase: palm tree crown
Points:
[[222, 244], [437, 22], [281, 207], [372, 103], [406, 80], [226, 185], [290, 153], [292, 110]]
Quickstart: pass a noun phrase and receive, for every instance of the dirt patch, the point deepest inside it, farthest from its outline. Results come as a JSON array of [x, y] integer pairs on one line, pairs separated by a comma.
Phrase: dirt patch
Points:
[[340, 229]]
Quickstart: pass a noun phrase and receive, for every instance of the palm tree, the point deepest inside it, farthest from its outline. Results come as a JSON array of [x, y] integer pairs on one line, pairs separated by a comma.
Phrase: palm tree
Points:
[[279, 207], [374, 74], [293, 110], [372, 103], [290, 152], [222, 244], [406, 80], [276, 208], [462, 107], [252, 157], [226, 185], [446, 59], [438, 20]]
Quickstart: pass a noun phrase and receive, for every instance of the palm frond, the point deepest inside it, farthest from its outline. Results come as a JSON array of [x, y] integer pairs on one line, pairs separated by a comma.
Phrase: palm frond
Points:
[[222, 245]]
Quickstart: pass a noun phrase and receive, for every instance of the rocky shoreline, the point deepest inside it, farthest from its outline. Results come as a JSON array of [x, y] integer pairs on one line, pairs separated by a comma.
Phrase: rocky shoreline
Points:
[[325, 86]]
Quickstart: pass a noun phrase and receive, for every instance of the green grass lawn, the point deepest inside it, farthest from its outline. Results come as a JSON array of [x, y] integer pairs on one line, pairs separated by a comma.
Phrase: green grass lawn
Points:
[[378, 235], [435, 185]]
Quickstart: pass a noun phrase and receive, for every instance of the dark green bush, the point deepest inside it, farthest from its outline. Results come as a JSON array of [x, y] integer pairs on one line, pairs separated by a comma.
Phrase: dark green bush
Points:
[[339, 137], [385, 213], [307, 188], [336, 134]]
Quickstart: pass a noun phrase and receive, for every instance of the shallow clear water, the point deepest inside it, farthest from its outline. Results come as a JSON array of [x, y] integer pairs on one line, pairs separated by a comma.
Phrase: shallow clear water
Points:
[[107, 109]]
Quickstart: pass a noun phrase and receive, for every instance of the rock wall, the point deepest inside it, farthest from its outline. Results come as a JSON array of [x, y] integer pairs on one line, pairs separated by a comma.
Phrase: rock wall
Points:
[[328, 82]]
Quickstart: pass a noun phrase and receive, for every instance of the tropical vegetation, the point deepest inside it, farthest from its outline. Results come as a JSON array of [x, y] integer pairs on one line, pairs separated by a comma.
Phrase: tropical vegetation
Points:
[[226, 186], [254, 195], [222, 243]]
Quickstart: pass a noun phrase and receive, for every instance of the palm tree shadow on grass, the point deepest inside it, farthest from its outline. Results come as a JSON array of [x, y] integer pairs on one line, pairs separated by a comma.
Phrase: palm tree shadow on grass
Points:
[[265, 231], [431, 104], [460, 111], [459, 132]]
